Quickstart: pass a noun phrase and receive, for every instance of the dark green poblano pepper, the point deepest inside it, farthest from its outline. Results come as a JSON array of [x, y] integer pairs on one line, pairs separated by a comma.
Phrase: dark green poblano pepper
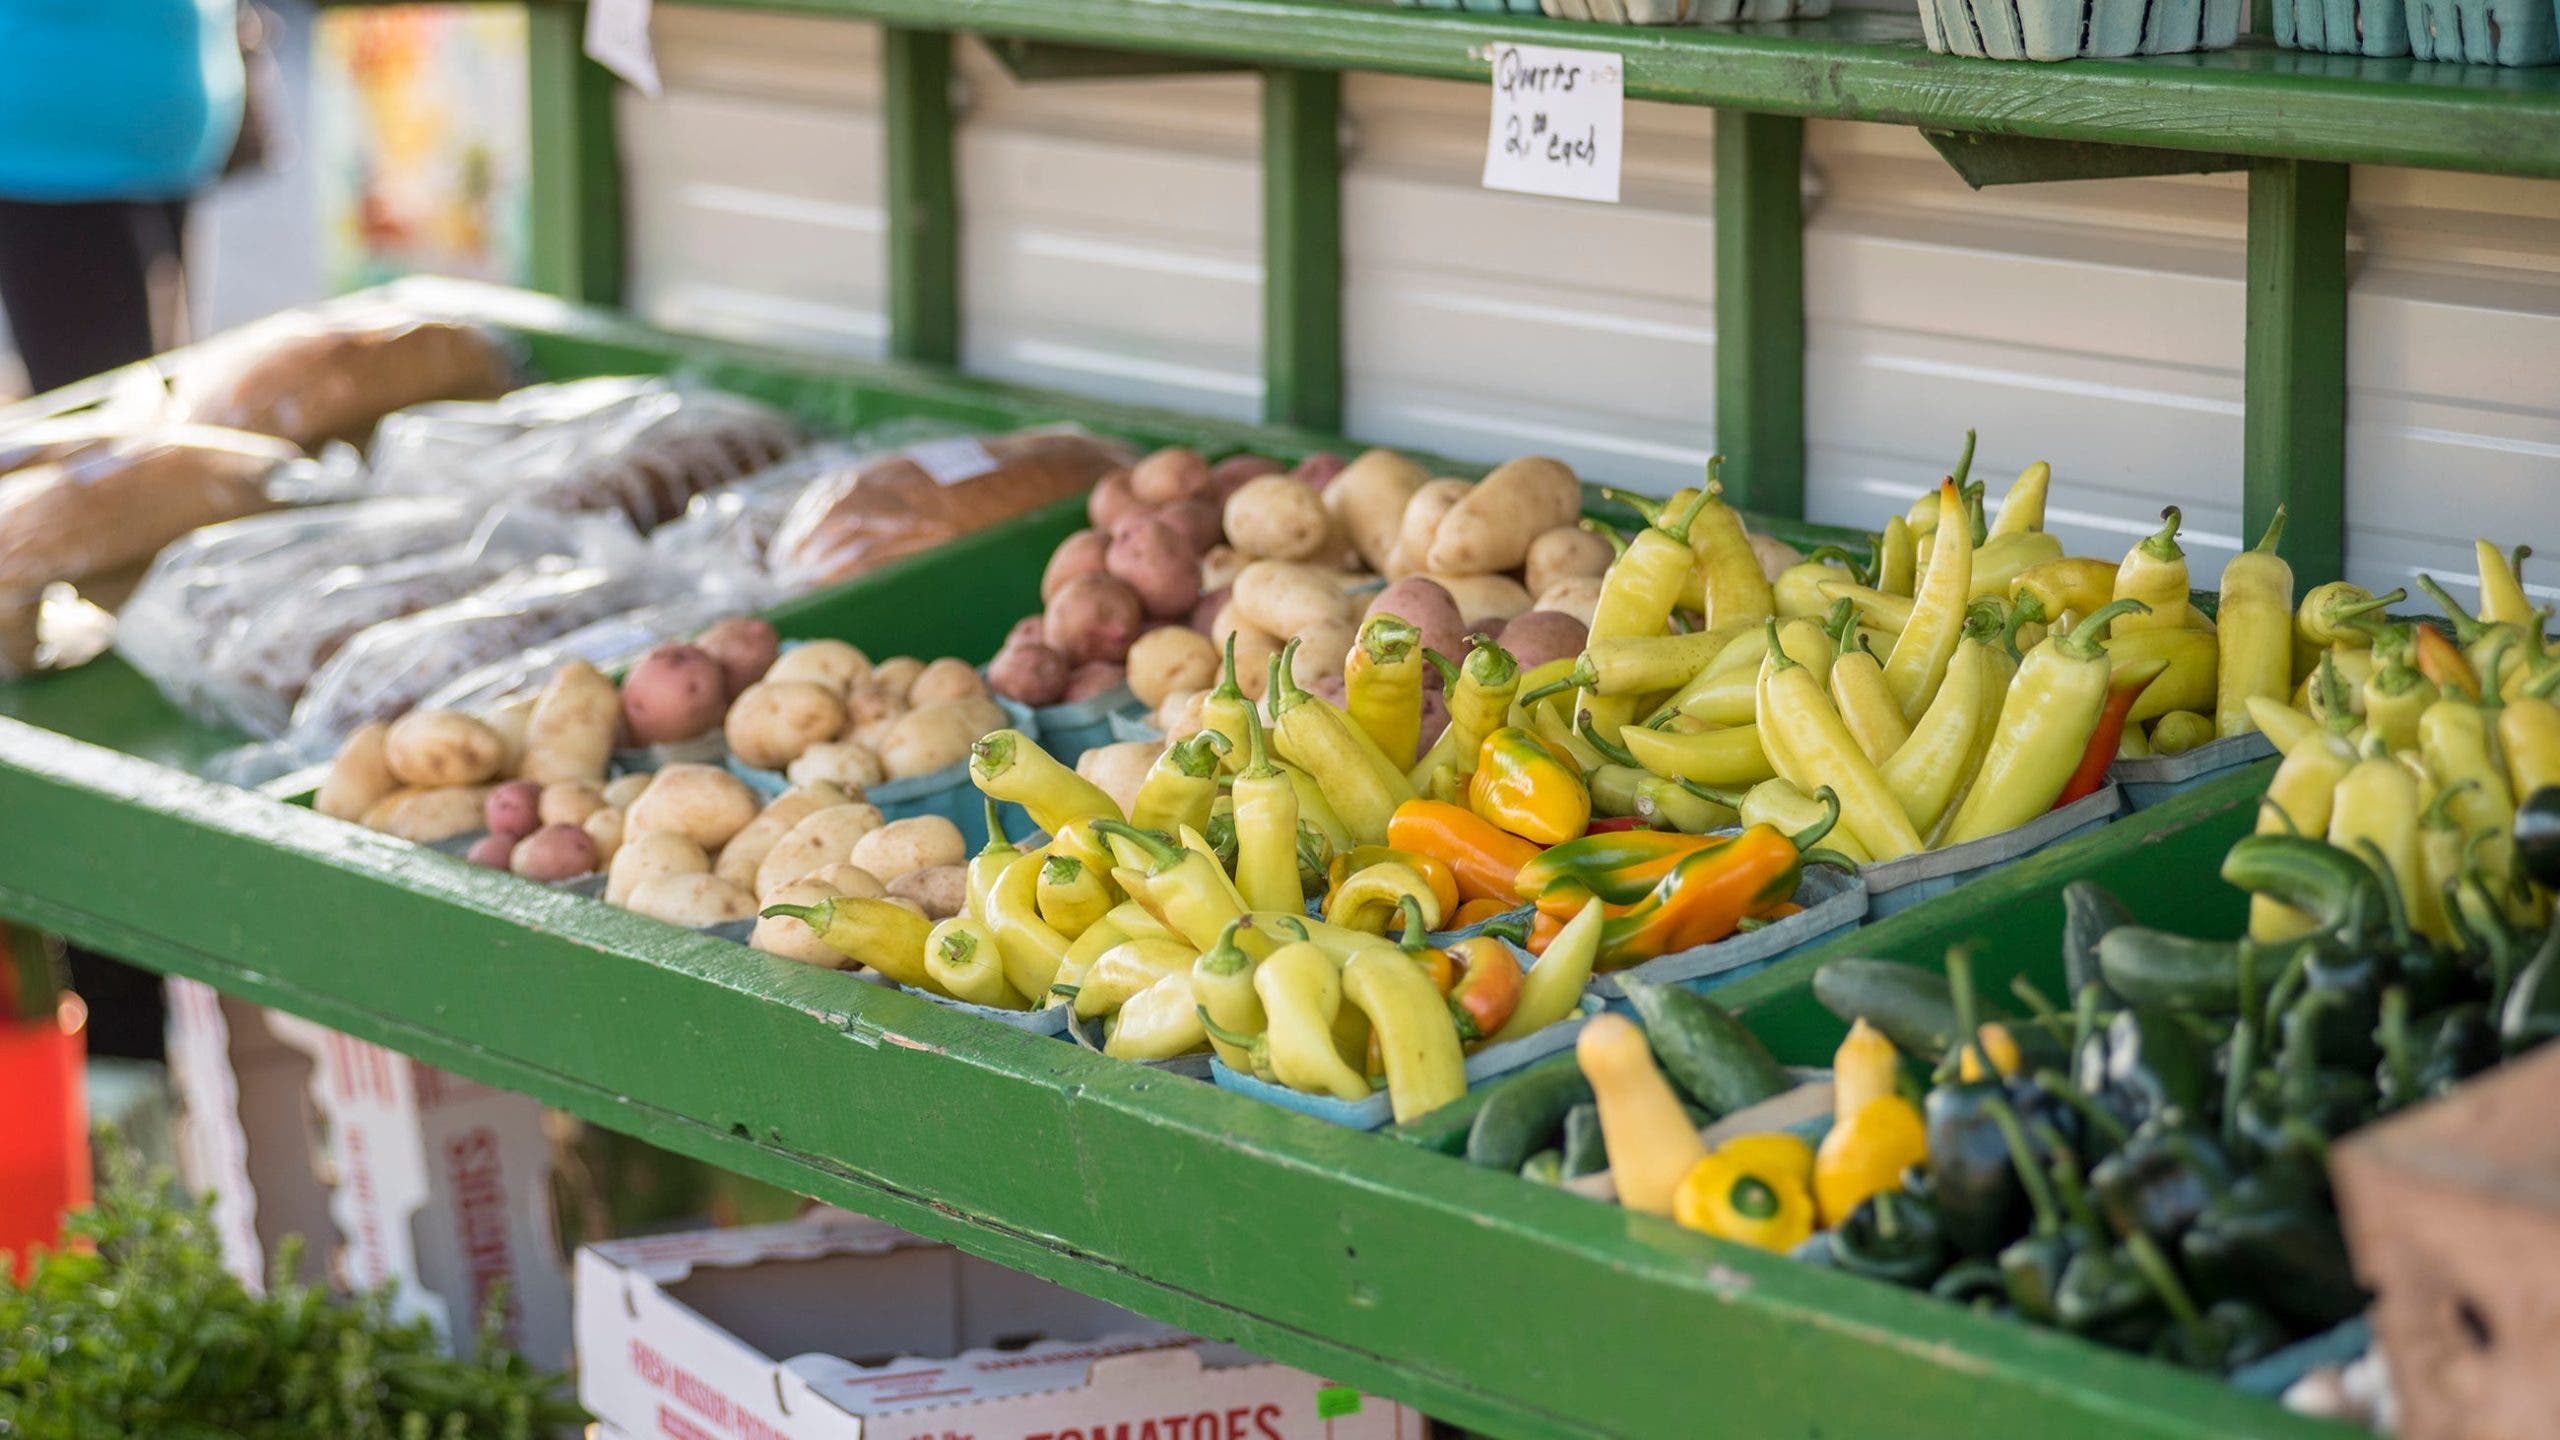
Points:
[[1893, 1237], [2273, 1239]]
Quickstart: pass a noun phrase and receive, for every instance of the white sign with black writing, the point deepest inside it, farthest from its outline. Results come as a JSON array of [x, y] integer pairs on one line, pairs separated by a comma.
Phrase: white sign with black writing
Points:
[[1559, 122], [617, 38]]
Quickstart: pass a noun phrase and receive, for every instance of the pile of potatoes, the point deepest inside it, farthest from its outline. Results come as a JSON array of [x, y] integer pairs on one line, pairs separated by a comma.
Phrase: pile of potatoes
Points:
[[691, 843], [1182, 554]]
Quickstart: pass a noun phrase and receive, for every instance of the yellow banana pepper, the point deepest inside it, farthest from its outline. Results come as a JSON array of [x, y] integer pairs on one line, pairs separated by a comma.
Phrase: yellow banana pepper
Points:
[[2022, 509], [1928, 641], [1009, 765], [1070, 895], [1120, 973], [2154, 572], [1382, 687], [2256, 634], [961, 956], [2072, 585], [1032, 948], [888, 938]]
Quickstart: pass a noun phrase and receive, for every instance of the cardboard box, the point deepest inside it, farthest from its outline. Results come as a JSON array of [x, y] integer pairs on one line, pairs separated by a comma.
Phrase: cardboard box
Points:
[[394, 1172], [834, 1327]]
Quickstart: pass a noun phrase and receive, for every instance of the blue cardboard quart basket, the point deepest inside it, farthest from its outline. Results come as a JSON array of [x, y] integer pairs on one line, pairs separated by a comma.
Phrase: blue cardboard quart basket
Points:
[[1894, 886], [2154, 778], [1486, 1065], [947, 792]]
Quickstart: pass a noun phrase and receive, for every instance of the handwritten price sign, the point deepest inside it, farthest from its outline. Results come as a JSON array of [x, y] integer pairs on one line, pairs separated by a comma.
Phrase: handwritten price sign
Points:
[[1559, 122]]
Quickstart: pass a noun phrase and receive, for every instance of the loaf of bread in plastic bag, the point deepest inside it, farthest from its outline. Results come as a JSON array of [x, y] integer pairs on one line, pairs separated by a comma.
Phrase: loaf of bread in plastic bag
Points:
[[897, 504], [312, 379]]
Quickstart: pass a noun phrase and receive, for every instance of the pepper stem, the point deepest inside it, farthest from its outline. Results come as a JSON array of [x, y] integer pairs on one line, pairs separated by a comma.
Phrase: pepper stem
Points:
[[817, 917], [1258, 748], [2394, 1035], [1646, 507], [2022, 1159], [1964, 459], [2341, 614], [2087, 640], [1777, 653], [1228, 689], [996, 838], [1751, 1198], [2162, 544], [1610, 750], [1161, 853], [1222, 1033], [1197, 756], [2394, 904], [1498, 667], [1446, 667], [2163, 1279], [1411, 942], [2275, 532], [1726, 798], [1282, 691], [1062, 869], [993, 753], [2335, 705], [1580, 675], [1677, 526], [1968, 1008], [2096, 1116], [1812, 835], [1842, 625], [2467, 627]]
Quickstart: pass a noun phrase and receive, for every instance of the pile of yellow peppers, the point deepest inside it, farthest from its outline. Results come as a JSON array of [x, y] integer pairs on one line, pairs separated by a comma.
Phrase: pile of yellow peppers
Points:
[[2412, 747], [1968, 680], [1184, 926]]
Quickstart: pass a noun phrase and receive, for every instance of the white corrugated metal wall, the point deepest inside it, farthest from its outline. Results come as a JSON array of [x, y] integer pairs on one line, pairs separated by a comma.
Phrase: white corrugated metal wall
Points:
[[1112, 238]]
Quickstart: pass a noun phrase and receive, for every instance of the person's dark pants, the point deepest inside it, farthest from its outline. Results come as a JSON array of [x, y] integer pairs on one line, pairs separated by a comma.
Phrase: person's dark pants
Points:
[[91, 285], [88, 287]]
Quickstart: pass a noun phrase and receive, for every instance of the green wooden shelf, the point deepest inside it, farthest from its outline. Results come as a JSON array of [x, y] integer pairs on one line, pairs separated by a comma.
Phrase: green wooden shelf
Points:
[[1499, 1305], [1857, 65]]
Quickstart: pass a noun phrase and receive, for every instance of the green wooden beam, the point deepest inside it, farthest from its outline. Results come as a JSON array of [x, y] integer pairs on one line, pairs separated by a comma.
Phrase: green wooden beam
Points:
[[1854, 65], [1302, 248], [1982, 159], [1759, 200], [1039, 61], [575, 171], [922, 196], [2294, 433]]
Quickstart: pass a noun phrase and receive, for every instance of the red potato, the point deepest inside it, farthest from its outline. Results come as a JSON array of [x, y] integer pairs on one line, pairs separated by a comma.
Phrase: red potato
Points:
[[1229, 475], [1319, 469], [745, 646], [514, 809], [554, 852], [1099, 677], [1326, 686], [491, 850], [1427, 607], [1029, 673], [1197, 519], [1111, 499], [1025, 631], [1095, 618], [1156, 562], [1170, 474], [1543, 635], [1435, 714], [675, 693], [1078, 554], [1204, 616]]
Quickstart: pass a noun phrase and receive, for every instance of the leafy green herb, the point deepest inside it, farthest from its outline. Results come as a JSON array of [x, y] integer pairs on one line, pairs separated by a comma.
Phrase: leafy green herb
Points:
[[134, 1328]]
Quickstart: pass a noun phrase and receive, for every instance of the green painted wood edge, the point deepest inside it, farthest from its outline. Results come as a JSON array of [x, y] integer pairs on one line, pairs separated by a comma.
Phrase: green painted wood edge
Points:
[[1374, 1263], [1302, 248], [1984, 160], [1855, 65], [2294, 414], [1759, 240], [921, 196], [1040, 61], [574, 169]]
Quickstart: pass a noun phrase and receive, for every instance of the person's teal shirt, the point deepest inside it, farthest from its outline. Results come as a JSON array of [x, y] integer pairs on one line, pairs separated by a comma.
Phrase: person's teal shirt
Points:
[[116, 99]]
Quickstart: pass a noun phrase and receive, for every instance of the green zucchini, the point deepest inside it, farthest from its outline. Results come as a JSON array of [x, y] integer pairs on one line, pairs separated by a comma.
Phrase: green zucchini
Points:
[[1521, 1115], [1711, 1056], [2174, 972], [1585, 1152], [2090, 912], [1915, 1009]]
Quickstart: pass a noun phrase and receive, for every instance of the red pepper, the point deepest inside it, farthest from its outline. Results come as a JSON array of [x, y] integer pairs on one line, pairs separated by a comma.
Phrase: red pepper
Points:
[[1614, 823], [2440, 660], [2123, 688]]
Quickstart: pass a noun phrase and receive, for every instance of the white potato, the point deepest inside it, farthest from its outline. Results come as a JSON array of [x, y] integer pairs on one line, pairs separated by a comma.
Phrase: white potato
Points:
[[849, 765], [695, 901], [359, 778], [703, 803], [644, 858], [789, 936], [745, 852], [427, 815], [903, 846], [821, 839], [571, 731], [430, 749], [774, 722], [830, 664]]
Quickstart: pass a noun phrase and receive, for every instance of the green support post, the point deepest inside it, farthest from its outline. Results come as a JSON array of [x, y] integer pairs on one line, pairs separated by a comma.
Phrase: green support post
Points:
[[1302, 249], [923, 206], [1759, 200], [2294, 430], [575, 228]]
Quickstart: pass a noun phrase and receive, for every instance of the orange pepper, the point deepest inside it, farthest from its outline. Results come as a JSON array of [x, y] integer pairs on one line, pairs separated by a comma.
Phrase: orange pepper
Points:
[[1483, 859], [1703, 900], [1489, 989], [1476, 912]]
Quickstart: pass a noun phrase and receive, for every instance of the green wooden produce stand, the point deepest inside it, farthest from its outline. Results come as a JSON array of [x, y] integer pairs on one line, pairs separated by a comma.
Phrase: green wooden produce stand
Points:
[[1370, 1259]]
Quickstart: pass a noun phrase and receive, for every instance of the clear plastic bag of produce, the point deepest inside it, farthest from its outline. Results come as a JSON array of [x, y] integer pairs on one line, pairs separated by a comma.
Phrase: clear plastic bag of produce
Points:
[[724, 535], [207, 584], [644, 447], [608, 644], [93, 513], [927, 490], [388, 669], [313, 376], [265, 662]]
